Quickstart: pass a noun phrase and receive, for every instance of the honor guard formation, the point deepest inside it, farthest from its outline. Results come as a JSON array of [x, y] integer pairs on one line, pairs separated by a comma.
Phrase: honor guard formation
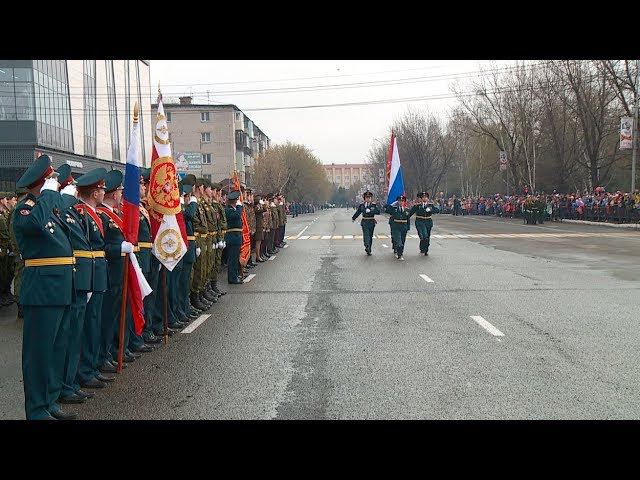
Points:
[[62, 244]]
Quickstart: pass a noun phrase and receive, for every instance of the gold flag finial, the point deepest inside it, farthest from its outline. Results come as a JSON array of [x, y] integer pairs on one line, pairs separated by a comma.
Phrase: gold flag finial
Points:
[[136, 112]]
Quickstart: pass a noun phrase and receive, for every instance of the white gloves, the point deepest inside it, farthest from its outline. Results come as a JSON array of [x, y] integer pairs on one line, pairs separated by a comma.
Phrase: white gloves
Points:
[[261, 202], [368, 210], [428, 209], [238, 203], [193, 199], [181, 200], [50, 184], [198, 251], [394, 204], [215, 246], [281, 203], [221, 244], [69, 190], [224, 244], [126, 247]]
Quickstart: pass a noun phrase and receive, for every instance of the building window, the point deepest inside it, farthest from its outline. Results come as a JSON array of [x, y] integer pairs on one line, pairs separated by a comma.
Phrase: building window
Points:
[[205, 137], [204, 116], [168, 115], [355, 178], [338, 178], [206, 158], [113, 111], [89, 84], [238, 116]]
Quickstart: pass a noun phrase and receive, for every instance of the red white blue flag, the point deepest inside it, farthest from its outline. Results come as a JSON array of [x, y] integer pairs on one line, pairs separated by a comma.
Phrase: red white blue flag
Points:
[[137, 286]]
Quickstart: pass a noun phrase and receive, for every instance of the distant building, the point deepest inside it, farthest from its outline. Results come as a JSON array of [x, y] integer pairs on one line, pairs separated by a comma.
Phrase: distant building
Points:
[[346, 174], [226, 138]]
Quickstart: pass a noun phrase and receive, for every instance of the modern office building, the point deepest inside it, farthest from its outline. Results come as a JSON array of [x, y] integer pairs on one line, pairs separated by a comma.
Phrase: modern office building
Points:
[[76, 111], [223, 135]]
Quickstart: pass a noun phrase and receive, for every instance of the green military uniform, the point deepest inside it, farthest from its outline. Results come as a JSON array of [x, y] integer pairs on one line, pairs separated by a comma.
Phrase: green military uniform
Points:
[[233, 237], [212, 247], [251, 222], [92, 224], [112, 302], [46, 290], [220, 238], [6, 257], [423, 221], [399, 227], [275, 221], [201, 232], [17, 259], [189, 211], [368, 210]]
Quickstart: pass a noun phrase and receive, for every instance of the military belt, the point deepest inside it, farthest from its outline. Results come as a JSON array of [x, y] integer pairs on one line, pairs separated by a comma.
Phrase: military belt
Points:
[[88, 254], [399, 221], [424, 218], [191, 237], [203, 235], [145, 244], [49, 262], [234, 230], [368, 218]]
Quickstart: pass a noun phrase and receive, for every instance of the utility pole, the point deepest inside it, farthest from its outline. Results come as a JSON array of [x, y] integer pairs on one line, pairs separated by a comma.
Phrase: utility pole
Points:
[[635, 131]]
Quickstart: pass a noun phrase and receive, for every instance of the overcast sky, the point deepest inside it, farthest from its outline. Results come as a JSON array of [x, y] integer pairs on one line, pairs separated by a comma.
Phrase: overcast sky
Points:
[[335, 134]]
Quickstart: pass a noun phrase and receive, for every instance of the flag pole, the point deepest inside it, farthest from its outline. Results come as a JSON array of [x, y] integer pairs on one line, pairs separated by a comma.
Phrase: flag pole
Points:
[[125, 278], [164, 301]]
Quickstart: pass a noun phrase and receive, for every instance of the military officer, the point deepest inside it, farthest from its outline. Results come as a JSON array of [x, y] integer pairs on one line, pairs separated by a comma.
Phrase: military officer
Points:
[[46, 290], [190, 208], [368, 209], [233, 236], [221, 244], [211, 213], [400, 217], [116, 247], [18, 262], [6, 259], [423, 209], [258, 208], [201, 232]]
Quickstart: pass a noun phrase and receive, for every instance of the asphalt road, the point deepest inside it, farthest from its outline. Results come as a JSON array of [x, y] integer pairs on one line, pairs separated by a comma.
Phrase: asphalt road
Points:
[[501, 321]]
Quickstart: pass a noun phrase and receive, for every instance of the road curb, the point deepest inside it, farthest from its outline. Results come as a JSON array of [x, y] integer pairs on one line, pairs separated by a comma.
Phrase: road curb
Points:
[[631, 226]]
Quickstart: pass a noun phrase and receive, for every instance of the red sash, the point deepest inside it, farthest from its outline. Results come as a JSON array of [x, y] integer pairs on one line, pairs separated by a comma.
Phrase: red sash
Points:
[[113, 217], [84, 208]]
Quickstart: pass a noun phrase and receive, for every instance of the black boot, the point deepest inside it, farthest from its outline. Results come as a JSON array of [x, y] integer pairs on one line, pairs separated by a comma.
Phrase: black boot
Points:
[[195, 300], [204, 300], [217, 290]]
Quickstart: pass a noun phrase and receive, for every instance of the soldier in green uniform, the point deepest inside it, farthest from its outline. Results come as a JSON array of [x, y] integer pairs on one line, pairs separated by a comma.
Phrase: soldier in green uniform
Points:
[[17, 259], [222, 227], [116, 247], [251, 222], [6, 260], [137, 343], [400, 226], [423, 209], [152, 320], [90, 192], [212, 244], [82, 284], [46, 290], [368, 210], [283, 220], [233, 236], [201, 232], [275, 219], [190, 208]]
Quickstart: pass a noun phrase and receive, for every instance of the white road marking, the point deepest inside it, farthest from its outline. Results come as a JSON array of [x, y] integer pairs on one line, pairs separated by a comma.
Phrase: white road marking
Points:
[[326, 237], [305, 237], [272, 257], [195, 324], [303, 230], [348, 237], [426, 279], [487, 326], [249, 278], [385, 245]]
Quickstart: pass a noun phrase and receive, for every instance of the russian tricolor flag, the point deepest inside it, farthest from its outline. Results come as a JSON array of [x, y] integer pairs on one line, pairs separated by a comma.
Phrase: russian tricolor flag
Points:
[[396, 182], [137, 286]]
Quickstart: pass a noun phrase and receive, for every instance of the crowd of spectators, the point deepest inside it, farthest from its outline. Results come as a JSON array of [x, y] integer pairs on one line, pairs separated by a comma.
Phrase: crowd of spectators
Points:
[[598, 205]]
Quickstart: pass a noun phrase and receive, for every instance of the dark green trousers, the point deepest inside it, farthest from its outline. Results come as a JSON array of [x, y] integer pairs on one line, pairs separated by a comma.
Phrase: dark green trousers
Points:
[[175, 292], [74, 344], [44, 336], [233, 261], [368, 226], [424, 232], [399, 234], [90, 350], [183, 285]]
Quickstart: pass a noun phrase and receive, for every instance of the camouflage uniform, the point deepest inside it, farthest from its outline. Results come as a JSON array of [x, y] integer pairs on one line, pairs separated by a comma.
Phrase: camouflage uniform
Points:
[[222, 229], [201, 230], [6, 260]]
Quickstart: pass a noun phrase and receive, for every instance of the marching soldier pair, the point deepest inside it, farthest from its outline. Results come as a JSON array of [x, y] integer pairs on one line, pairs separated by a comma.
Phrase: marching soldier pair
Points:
[[399, 221]]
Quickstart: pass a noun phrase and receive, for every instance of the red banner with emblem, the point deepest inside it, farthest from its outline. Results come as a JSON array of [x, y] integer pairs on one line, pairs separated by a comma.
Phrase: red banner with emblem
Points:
[[245, 249]]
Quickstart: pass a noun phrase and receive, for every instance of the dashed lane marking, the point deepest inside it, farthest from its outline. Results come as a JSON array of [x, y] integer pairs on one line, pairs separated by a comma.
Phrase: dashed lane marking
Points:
[[272, 257], [249, 278], [195, 324], [487, 326], [426, 279]]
